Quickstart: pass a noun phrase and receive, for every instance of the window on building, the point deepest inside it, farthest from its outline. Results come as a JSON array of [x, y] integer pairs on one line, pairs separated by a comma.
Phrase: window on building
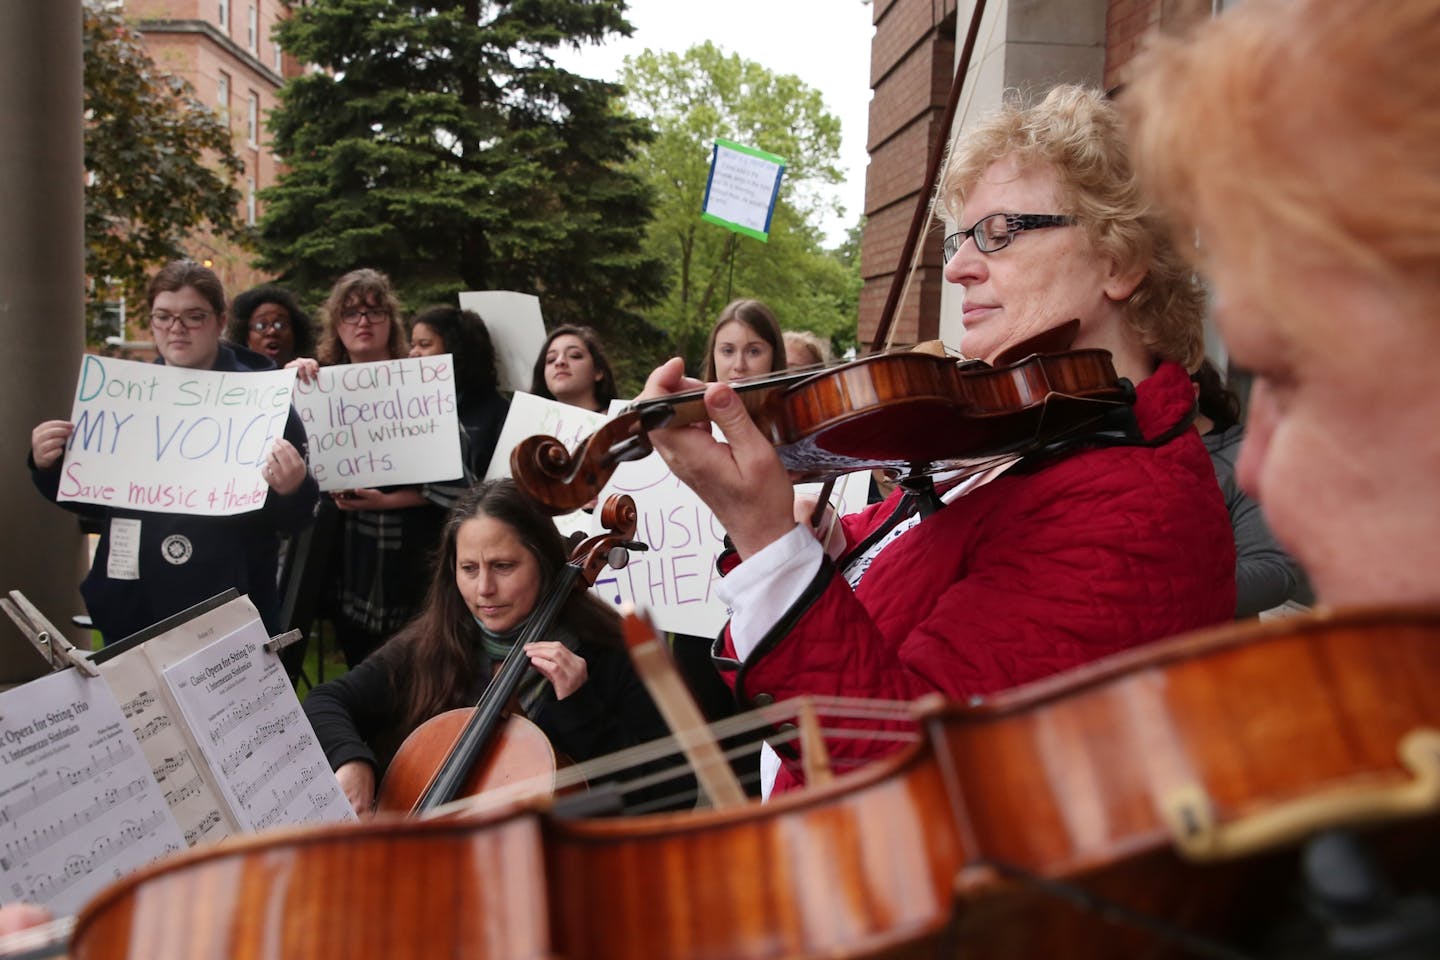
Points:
[[222, 94], [107, 319], [277, 57], [250, 201], [252, 30], [224, 14], [252, 119]]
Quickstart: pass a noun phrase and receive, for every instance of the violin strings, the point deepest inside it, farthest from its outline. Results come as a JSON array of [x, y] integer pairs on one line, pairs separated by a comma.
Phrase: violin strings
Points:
[[760, 721]]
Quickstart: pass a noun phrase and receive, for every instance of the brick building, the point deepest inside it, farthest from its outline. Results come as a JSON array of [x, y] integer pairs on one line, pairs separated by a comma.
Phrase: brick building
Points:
[[1027, 44], [223, 48]]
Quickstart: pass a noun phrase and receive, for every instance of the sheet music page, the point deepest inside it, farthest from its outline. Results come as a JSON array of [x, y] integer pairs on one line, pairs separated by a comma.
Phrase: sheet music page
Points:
[[78, 807], [245, 717], [196, 806]]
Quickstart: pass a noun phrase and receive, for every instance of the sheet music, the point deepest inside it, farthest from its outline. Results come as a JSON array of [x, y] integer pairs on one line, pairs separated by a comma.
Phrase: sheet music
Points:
[[78, 807], [244, 715], [197, 808]]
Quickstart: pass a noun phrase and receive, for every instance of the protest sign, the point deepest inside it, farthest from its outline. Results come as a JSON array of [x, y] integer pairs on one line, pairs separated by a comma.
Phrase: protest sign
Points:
[[516, 328], [743, 186], [675, 579], [383, 423], [531, 415], [172, 440]]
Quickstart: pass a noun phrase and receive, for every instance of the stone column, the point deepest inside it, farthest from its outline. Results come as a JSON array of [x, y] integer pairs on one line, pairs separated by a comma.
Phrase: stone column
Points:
[[42, 298]]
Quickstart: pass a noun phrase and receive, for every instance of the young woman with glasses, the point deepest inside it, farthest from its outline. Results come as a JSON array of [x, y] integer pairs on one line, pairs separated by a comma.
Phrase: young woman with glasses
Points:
[[380, 557], [269, 320], [178, 560], [1028, 569]]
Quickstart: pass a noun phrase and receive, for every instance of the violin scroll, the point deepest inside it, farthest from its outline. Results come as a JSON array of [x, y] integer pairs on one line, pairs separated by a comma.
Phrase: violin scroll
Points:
[[561, 481], [612, 548]]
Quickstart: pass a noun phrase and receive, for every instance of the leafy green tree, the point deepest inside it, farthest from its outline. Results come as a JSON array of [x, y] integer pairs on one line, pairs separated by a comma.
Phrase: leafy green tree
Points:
[[691, 99], [160, 165], [441, 144]]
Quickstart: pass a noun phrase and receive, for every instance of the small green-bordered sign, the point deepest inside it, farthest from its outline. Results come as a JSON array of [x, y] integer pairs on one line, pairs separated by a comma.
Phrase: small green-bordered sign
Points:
[[743, 186]]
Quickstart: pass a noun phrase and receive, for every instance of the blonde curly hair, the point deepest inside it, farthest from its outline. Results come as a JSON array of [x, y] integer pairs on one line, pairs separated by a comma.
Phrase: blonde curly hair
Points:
[[1079, 134]]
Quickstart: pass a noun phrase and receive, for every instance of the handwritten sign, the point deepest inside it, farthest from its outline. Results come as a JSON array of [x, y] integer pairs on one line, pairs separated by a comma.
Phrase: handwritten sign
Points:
[[530, 415], [171, 440], [675, 579], [516, 329], [78, 806], [383, 423], [743, 186]]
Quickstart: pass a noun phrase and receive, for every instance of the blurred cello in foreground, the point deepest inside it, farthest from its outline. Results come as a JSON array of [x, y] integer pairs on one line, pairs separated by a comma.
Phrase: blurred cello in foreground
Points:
[[1147, 805]]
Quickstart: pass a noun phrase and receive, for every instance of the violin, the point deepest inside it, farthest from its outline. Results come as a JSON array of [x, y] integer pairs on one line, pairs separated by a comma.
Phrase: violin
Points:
[[1142, 805], [906, 413], [469, 750]]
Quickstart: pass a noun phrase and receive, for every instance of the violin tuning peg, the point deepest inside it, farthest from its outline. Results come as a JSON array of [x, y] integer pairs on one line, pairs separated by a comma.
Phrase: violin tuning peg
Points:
[[618, 558]]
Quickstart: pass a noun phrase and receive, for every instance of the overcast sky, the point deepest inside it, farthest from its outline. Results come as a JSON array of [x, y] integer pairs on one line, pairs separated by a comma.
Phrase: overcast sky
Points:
[[825, 43]]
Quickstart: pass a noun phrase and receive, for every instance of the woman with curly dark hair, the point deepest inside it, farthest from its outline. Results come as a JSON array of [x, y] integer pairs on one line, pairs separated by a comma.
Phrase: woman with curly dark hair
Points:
[[481, 409], [269, 320]]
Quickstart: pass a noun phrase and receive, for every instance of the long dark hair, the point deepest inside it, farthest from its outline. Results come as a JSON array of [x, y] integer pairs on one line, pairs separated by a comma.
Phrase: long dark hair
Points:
[[467, 341], [443, 644], [243, 307], [605, 389]]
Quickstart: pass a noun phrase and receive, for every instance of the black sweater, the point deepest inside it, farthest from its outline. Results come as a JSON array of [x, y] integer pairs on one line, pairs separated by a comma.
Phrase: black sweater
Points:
[[358, 715]]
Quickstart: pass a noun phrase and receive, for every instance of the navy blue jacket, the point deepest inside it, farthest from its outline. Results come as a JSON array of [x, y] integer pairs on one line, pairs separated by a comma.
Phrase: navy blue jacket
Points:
[[185, 559]]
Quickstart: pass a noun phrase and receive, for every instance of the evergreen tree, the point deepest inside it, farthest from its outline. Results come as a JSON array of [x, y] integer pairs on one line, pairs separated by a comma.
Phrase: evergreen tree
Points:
[[148, 185], [440, 143]]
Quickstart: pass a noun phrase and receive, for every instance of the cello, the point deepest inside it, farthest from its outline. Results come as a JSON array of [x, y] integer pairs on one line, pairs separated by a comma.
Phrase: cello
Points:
[[469, 750]]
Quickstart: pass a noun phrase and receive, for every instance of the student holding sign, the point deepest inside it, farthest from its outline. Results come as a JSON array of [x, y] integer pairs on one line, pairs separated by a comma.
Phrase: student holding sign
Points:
[[380, 561], [498, 560], [480, 408], [150, 565], [572, 368], [745, 342]]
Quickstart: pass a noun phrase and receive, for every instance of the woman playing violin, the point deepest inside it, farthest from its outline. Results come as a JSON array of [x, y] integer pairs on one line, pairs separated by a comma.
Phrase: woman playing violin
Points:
[[498, 557], [1026, 570]]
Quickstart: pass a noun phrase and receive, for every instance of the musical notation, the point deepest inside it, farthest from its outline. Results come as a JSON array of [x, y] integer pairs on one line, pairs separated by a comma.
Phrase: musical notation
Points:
[[169, 765], [43, 887], [83, 807], [246, 709], [191, 788], [264, 733], [203, 828], [136, 705], [284, 799], [64, 779], [153, 726], [46, 836]]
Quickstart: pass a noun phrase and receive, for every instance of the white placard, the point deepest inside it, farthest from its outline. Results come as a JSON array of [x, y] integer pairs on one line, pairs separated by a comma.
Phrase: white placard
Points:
[[517, 329], [171, 440], [531, 415], [675, 579], [744, 184], [245, 717], [78, 806], [383, 423]]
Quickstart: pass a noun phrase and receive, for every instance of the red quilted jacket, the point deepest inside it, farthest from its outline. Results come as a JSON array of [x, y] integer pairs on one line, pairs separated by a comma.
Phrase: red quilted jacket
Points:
[[1028, 575]]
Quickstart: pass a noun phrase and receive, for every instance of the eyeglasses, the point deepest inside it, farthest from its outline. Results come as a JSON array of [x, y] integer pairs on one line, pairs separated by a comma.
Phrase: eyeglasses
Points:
[[190, 319], [354, 315], [996, 231], [278, 325]]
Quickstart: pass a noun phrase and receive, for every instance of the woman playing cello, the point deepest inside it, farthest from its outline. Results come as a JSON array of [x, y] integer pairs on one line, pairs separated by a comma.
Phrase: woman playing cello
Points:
[[498, 557], [1055, 561]]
